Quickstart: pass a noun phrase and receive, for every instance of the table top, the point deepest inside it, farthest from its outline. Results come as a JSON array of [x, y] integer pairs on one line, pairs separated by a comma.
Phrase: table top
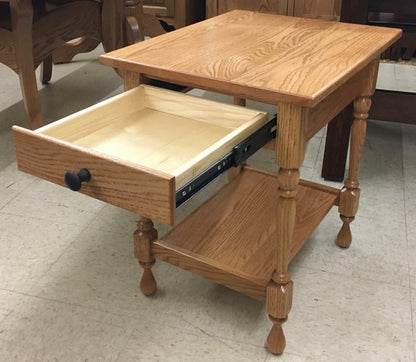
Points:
[[266, 57]]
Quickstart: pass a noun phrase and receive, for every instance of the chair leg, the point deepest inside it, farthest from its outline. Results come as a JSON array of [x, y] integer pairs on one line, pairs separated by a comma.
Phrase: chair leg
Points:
[[31, 99], [336, 145], [21, 13], [46, 70]]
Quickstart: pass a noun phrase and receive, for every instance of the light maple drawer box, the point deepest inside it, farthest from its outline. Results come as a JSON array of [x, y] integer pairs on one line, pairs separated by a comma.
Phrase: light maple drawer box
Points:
[[138, 149]]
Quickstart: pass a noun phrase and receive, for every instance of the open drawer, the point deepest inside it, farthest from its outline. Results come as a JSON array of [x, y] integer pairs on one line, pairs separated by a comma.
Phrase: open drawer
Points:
[[139, 147]]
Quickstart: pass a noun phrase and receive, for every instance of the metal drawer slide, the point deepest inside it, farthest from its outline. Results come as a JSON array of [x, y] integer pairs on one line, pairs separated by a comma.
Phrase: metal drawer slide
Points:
[[236, 157]]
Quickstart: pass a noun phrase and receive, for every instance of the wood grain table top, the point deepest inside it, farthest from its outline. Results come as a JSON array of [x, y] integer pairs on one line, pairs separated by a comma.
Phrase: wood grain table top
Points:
[[266, 57]]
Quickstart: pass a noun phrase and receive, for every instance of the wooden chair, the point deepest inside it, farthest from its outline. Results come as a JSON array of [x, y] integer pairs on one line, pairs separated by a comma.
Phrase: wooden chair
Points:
[[29, 35], [31, 31]]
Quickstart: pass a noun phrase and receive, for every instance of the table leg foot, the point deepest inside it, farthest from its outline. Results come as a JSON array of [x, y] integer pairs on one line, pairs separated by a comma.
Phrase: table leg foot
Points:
[[148, 282], [350, 194], [143, 239], [276, 341], [344, 237], [278, 304]]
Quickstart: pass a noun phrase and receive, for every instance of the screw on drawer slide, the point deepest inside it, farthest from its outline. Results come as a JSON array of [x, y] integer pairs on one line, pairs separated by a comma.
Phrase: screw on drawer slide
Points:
[[236, 157]]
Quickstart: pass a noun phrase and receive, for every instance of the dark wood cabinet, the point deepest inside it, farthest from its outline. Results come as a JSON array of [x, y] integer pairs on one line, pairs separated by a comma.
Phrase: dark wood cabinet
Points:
[[320, 9], [178, 13], [161, 8], [387, 105], [317, 9], [216, 7]]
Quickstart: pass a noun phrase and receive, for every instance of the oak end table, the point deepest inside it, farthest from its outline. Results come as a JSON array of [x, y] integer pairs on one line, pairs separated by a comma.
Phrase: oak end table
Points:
[[246, 235]]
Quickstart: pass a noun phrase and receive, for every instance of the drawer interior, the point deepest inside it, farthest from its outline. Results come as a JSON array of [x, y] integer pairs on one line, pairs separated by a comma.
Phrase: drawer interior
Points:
[[177, 134]]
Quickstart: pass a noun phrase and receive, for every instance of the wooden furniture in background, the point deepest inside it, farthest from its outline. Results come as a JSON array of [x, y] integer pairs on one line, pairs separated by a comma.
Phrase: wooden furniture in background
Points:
[[177, 13], [164, 9], [122, 23], [246, 235], [46, 28], [216, 7], [22, 34], [318, 9], [393, 106], [387, 105], [392, 13]]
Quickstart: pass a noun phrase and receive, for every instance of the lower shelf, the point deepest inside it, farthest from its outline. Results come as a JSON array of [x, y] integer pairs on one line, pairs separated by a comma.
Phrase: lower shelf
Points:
[[231, 238]]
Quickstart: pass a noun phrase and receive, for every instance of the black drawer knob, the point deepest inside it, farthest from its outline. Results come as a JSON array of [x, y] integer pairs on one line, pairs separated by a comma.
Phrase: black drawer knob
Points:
[[73, 180]]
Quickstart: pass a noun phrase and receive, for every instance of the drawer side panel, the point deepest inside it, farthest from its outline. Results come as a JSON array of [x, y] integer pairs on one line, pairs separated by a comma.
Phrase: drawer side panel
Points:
[[140, 190]]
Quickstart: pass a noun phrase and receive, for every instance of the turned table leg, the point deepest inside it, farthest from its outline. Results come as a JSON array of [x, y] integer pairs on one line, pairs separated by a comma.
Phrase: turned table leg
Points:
[[290, 151], [280, 288], [143, 238], [145, 233], [350, 193]]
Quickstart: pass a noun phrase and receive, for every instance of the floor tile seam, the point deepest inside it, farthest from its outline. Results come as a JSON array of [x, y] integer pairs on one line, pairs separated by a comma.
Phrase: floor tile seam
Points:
[[333, 356], [208, 335], [362, 218], [350, 276], [77, 305], [220, 339], [303, 167], [369, 181], [14, 197], [405, 203], [26, 352], [318, 136], [132, 326], [374, 258], [7, 158], [3, 318], [413, 310], [366, 216], [409, 167], [37, 218], [124, 348], [317, 153], [58, 258], [124, 233], [72, 240], [113, 232], [29, 184], [379, 258]]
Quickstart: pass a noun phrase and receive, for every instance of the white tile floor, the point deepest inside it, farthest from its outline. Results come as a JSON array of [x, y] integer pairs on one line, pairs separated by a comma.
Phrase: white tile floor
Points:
[[69, 281]]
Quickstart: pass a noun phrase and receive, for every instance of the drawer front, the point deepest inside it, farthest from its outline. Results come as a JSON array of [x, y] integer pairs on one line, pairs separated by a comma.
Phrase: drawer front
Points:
[[135, 188]]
